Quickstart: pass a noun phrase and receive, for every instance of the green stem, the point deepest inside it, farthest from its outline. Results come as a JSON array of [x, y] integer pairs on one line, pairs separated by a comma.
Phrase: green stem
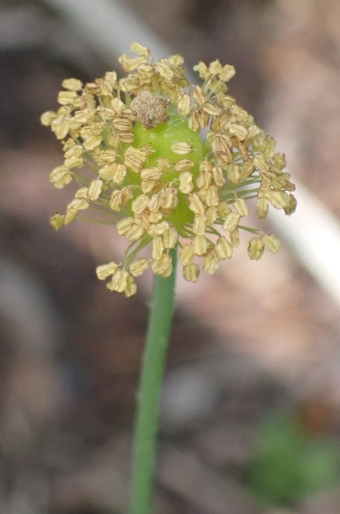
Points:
[[152, 371]]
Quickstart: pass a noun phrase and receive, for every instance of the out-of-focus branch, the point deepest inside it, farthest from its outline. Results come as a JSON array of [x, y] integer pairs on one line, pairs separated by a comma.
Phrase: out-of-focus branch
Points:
[[314, 233], [109, 25]]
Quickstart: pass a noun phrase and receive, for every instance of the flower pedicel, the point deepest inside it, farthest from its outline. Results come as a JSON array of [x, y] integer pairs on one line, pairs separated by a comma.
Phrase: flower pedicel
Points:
[[155, 176]]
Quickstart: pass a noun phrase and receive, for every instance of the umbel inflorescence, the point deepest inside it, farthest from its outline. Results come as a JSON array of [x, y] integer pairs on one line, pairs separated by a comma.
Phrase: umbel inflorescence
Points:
[[172, 164]]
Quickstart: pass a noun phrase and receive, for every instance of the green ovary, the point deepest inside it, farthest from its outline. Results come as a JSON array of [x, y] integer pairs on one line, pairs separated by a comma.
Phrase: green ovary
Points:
[[164, 135], [181, 216], [161, 138]]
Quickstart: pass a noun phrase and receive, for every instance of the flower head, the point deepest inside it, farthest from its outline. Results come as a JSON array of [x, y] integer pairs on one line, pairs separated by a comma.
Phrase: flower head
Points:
[[172, 163]]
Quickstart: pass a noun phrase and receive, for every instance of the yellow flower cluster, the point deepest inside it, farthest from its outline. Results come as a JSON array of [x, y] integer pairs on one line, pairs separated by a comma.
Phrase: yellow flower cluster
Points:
[[173, 165]]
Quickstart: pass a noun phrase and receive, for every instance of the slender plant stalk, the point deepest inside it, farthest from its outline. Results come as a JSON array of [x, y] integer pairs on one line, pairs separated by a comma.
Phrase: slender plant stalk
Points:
[[152, 371]]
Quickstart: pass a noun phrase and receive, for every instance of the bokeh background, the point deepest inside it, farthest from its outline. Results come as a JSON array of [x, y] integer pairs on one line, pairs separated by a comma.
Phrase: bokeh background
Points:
[[250, 412]]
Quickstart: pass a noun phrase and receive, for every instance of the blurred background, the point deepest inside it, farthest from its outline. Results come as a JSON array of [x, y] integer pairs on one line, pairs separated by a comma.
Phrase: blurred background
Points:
[[250, 418]]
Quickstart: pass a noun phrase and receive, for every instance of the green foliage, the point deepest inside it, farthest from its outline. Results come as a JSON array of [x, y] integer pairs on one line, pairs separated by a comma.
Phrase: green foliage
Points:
[[288, 464]]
